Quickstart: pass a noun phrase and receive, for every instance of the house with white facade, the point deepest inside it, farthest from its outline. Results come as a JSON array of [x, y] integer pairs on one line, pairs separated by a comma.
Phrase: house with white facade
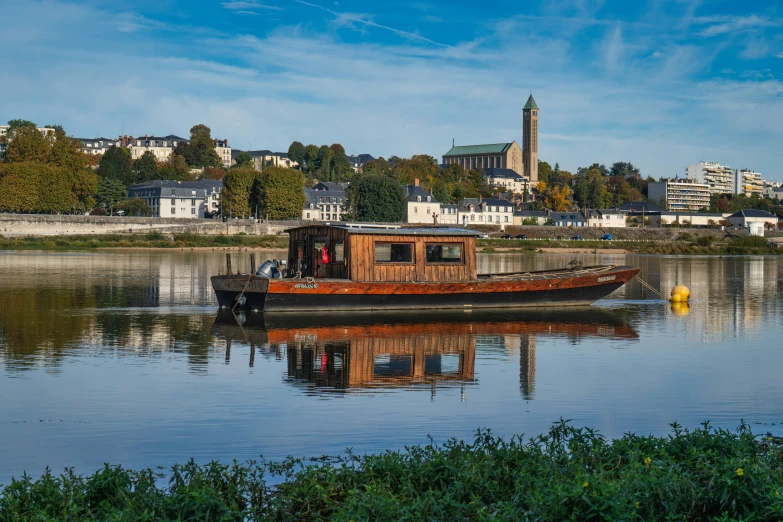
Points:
[[223, 151], [486, 211], [325, 202], [179, 199], [161, 147], [357, 162], [98, 146], [510, 180], [449, 214], [530, 217], [754, 221], [420, 205], [604, 218]]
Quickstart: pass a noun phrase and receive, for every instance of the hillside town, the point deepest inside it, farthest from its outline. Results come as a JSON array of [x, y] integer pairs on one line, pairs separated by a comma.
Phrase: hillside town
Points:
[[496, 184]]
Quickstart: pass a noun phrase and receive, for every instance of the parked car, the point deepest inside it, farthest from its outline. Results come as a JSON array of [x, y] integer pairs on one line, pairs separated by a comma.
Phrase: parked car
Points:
[[607, 237], [483, 235], [506, 236], [576, 238], [521, 236]]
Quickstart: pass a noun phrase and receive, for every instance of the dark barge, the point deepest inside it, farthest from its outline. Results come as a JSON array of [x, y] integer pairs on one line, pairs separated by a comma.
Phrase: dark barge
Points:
[[364, 268]]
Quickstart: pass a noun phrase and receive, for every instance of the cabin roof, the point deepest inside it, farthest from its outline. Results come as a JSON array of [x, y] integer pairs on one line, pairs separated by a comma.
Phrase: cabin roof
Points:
[[393, 230]]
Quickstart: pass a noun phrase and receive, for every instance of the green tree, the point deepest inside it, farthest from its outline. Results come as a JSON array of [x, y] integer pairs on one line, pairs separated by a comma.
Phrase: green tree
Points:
[[36, 188], [145, 168], [237, 192], [375, 197], [296, 152], [341, 167], [189, 153], [278, 192], [110, 192], [116, 164], [133, 207], [15, 125], [202, 142], [546, 173], [175, 168], [378, 166], [310, 159], [624, 169], [26, 144], [324, 163], [420, 166], [244, 160], [595, 166]]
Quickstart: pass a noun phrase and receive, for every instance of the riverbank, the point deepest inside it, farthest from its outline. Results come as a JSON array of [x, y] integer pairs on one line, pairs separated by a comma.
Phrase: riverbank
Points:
[[152, 240], [701, 246], [568, 473]]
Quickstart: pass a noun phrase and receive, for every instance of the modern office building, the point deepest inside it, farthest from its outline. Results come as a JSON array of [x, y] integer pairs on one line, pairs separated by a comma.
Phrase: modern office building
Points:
[[680, 194]]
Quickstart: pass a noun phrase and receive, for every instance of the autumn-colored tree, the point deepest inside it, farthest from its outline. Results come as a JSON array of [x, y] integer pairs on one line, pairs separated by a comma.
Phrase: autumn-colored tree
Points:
[[15, 125], [278, 193], [558, 199], [66, 152], [36, 188], [420, 166], [214, 173], [27, 144], [175, 168], [237, 192]]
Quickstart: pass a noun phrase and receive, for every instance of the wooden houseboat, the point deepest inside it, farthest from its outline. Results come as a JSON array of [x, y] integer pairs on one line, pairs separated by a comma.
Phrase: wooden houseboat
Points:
[[360, 267]]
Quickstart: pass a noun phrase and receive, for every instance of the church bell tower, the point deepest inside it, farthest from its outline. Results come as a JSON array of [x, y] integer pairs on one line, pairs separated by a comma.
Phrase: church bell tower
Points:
[[530, 140]]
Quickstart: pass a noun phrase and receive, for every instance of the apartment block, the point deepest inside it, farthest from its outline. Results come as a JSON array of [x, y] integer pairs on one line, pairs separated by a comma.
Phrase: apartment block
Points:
[[679, 195], [161, 147], [719, 178], [180, 199], [224, 152], [748, 182]]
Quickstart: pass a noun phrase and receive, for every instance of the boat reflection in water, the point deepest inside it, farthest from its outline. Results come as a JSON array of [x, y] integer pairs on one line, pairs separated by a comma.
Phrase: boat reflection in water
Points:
[[335, 352]]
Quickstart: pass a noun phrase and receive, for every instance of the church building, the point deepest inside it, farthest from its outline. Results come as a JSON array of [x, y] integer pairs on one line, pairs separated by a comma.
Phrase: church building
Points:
[[523, 161]]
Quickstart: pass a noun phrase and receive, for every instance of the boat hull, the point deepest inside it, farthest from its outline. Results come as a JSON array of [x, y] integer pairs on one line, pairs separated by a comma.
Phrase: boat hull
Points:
[[296, 295]]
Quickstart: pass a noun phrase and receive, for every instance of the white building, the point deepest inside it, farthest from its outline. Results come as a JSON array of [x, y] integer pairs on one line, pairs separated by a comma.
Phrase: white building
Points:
[[680, 194], [97, 146], [180, 199], [513, 182], [224, 152], [449, 214], [420, 206], [325, 202], [605, 218], [719, 178], [486, 211], [754, 221], [748, 182], [161, 147]]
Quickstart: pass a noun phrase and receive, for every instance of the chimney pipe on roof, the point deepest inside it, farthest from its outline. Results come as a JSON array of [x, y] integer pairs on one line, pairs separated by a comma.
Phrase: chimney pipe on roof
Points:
[[415, 182]]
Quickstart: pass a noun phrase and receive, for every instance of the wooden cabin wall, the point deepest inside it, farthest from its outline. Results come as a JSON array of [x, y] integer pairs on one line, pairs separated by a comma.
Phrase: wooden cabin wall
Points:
[[364, 268], [336, 268]]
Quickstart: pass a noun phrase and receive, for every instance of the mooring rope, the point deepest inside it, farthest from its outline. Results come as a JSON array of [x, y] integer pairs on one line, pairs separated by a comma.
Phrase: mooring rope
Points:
[[649, 287]]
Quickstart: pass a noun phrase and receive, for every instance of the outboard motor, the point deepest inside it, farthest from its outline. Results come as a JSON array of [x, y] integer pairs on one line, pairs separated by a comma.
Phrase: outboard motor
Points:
[[269, 270]]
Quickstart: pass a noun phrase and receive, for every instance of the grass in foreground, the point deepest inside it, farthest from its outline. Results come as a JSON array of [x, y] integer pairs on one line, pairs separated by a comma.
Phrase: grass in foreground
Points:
[[150, 240], [569, 473]]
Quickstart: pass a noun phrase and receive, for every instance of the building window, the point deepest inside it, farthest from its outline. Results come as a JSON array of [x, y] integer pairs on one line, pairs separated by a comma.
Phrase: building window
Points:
[[444, 253], [307, 216], [192, 210], [394, 252], [506, 219], [489, 218]]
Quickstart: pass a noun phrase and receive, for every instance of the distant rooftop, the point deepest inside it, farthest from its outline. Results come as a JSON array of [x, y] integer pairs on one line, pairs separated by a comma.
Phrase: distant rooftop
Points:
[[491, 148]]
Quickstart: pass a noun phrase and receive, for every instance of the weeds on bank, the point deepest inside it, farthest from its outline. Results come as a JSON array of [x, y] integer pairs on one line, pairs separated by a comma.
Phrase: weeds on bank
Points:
[[569, 473], [149, 240]]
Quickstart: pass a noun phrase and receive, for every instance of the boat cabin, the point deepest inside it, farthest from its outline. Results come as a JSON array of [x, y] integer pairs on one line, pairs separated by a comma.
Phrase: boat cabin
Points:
[[380, 253]]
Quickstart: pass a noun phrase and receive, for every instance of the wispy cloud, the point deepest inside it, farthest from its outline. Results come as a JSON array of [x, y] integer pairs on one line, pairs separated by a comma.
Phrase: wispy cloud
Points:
[[131, 23], [718, 25], [780, 54], [246, 5], [367, 21]]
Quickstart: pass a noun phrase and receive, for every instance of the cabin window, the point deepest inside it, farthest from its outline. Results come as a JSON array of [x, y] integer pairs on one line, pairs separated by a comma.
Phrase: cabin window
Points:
[[394, 252], [444, 253], [338, 255]]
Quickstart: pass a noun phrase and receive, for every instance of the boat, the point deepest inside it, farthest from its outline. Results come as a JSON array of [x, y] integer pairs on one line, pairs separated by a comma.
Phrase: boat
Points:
[[346, 267]]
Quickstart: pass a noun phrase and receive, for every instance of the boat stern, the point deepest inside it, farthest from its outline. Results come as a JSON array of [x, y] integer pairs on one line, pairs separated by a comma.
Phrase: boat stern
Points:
[[241, 291]]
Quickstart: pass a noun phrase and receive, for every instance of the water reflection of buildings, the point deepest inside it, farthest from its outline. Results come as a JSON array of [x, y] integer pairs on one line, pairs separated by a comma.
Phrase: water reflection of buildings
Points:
[[407, 354]]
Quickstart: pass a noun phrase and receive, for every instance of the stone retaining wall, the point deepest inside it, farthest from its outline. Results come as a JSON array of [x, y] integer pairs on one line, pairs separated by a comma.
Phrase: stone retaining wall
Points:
[[16, 225]]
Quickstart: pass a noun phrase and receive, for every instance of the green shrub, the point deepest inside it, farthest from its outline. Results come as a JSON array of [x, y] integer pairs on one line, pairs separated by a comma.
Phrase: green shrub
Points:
[[569, 473], [704, 241], [749, 242]]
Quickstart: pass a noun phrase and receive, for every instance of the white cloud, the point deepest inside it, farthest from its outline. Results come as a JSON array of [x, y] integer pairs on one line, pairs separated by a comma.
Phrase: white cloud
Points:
[[297, 83], [780, 54], [718, 25], [248, 5]]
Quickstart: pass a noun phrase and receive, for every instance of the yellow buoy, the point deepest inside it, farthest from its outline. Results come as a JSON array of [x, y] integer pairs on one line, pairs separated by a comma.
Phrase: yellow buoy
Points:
[[681, 309], [680, 293]]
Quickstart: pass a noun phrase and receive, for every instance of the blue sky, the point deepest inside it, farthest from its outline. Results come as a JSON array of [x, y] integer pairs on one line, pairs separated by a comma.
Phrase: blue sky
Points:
[[661, 83]]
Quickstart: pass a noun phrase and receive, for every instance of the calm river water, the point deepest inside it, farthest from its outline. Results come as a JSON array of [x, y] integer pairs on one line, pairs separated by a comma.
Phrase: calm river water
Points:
[[121, 357]]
